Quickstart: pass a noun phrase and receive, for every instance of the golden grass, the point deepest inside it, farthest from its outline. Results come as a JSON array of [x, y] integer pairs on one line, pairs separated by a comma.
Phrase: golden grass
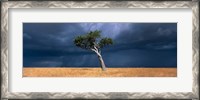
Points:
[[97, 72]]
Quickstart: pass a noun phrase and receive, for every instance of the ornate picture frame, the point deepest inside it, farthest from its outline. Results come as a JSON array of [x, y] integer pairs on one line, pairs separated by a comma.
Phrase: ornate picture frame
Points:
[[6, 5]]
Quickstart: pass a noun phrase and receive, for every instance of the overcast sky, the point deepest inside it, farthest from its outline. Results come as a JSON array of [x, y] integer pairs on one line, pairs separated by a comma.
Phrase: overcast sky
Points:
[[135, 45]]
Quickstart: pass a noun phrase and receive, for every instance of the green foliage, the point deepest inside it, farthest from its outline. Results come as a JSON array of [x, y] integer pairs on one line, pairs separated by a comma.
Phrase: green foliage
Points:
[[89, 40], [105, 41]]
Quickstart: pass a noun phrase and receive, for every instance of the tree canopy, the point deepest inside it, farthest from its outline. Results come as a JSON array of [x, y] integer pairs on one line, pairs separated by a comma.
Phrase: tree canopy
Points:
[[91, 40]]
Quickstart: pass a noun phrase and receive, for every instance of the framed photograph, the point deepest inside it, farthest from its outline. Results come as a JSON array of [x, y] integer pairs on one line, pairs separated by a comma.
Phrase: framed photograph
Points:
[[100, 49]]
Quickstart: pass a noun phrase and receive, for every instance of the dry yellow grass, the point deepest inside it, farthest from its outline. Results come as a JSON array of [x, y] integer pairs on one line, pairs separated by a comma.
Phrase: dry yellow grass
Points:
[[97, 72]]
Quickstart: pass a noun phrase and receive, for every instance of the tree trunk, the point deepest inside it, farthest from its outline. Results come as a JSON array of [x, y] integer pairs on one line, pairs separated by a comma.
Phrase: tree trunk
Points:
[[103, 66], [98, 52]]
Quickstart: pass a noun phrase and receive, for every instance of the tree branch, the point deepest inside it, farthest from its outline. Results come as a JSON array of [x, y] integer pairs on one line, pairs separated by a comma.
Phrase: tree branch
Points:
[[99, 51], [93, 50], [96, 51], [96, 48]]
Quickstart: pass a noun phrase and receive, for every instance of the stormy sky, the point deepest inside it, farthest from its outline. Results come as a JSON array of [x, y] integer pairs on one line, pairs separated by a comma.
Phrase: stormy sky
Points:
[[135, 45]]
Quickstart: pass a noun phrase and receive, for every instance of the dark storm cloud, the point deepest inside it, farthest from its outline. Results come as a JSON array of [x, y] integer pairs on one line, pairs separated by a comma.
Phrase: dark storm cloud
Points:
[[135, 45], [49, 35], [148, 35]]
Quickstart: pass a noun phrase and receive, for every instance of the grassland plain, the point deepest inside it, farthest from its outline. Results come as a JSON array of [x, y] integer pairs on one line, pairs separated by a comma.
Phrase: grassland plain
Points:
[[97, 72]]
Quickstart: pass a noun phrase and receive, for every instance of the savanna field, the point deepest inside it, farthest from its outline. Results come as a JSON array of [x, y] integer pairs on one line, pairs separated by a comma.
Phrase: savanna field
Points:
[[97, 72]]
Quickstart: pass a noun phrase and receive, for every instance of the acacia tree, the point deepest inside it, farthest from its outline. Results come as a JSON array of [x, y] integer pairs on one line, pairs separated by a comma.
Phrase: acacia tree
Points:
[[93, 41]]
